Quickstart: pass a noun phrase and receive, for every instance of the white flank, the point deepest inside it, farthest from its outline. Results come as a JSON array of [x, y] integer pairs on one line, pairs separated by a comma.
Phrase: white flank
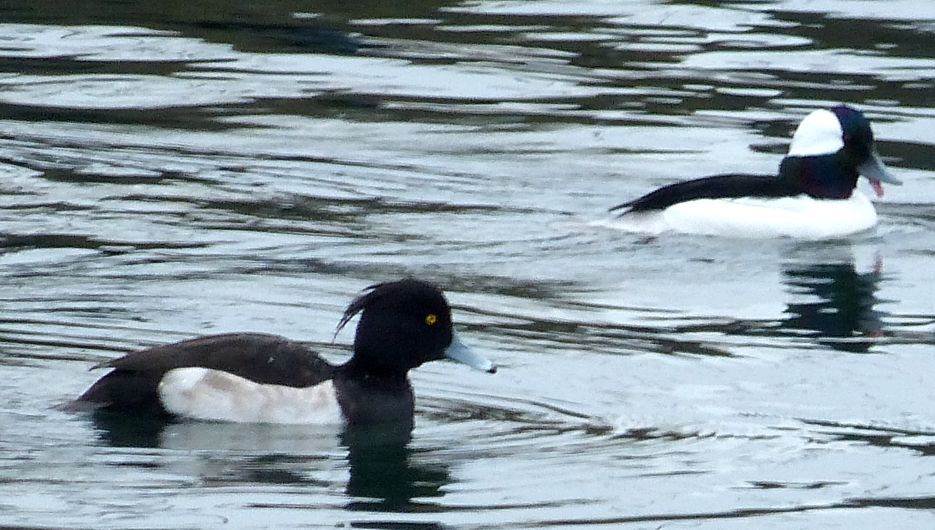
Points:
[[799, 217], [819, 133], [214, 395]]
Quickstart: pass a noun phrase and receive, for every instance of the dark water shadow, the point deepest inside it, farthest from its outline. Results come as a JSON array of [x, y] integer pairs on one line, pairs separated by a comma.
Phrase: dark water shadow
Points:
[[834, 303], [385, 474], [882, 436], [121, 430]]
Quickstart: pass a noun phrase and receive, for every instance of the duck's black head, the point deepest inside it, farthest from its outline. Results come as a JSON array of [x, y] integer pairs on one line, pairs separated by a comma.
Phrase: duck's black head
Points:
[[404, 324], [830, 150], [856, 134]]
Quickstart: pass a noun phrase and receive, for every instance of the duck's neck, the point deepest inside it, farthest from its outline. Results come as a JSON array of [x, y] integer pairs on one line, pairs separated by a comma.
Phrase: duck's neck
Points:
[[368, 374], [369, 396], [821, 177]]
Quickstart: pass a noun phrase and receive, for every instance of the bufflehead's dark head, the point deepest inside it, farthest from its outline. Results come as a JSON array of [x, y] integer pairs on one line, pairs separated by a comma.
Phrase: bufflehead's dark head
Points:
[[845, 133], [403, 324]]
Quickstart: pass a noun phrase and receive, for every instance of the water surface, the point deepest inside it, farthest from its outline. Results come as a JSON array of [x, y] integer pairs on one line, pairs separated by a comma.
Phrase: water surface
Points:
[[170, 171]]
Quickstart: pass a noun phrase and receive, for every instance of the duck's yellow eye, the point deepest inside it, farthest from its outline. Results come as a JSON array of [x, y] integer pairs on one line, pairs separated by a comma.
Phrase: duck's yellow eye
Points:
[[431, 319]]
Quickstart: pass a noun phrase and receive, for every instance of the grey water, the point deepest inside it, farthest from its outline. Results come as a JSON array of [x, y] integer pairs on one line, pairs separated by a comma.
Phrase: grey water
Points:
[[172, 169]]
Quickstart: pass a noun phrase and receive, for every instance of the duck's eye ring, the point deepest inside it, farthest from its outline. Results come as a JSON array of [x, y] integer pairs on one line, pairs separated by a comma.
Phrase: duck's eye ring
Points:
[[431, 319]]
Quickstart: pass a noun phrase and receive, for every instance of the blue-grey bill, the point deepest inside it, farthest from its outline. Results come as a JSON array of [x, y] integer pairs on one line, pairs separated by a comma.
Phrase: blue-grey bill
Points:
[[458, 351], [874, 169]]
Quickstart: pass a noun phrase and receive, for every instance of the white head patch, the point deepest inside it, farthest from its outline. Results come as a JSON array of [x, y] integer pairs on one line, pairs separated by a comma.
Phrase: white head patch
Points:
[[203, 394], [819, 133]]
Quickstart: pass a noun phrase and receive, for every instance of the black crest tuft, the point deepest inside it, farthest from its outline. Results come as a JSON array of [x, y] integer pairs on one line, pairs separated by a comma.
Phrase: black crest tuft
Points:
[[370, 293]]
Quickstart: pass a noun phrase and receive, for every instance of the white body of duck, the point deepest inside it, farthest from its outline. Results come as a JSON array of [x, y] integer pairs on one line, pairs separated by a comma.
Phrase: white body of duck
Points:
[[800, 217]]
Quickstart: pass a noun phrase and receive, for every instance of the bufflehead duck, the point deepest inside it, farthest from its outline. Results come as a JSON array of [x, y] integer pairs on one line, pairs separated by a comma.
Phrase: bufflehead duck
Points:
[[813, 197], [258, 378]]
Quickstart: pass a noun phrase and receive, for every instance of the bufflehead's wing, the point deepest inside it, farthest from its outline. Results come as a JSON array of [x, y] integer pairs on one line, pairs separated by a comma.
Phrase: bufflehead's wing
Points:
[[715, 187], [265, 359]]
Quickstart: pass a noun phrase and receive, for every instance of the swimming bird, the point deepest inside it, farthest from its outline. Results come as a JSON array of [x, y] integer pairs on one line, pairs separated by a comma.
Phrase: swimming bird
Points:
[[260, 378], [814, 196]]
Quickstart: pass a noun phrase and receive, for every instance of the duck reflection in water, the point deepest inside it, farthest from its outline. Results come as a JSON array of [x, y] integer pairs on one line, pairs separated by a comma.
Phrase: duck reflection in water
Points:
[[838, 305], [384, 472]]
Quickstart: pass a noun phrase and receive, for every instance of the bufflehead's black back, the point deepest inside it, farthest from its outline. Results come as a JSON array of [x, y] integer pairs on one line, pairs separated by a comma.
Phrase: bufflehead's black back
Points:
[[259, 378], [813, 196]]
